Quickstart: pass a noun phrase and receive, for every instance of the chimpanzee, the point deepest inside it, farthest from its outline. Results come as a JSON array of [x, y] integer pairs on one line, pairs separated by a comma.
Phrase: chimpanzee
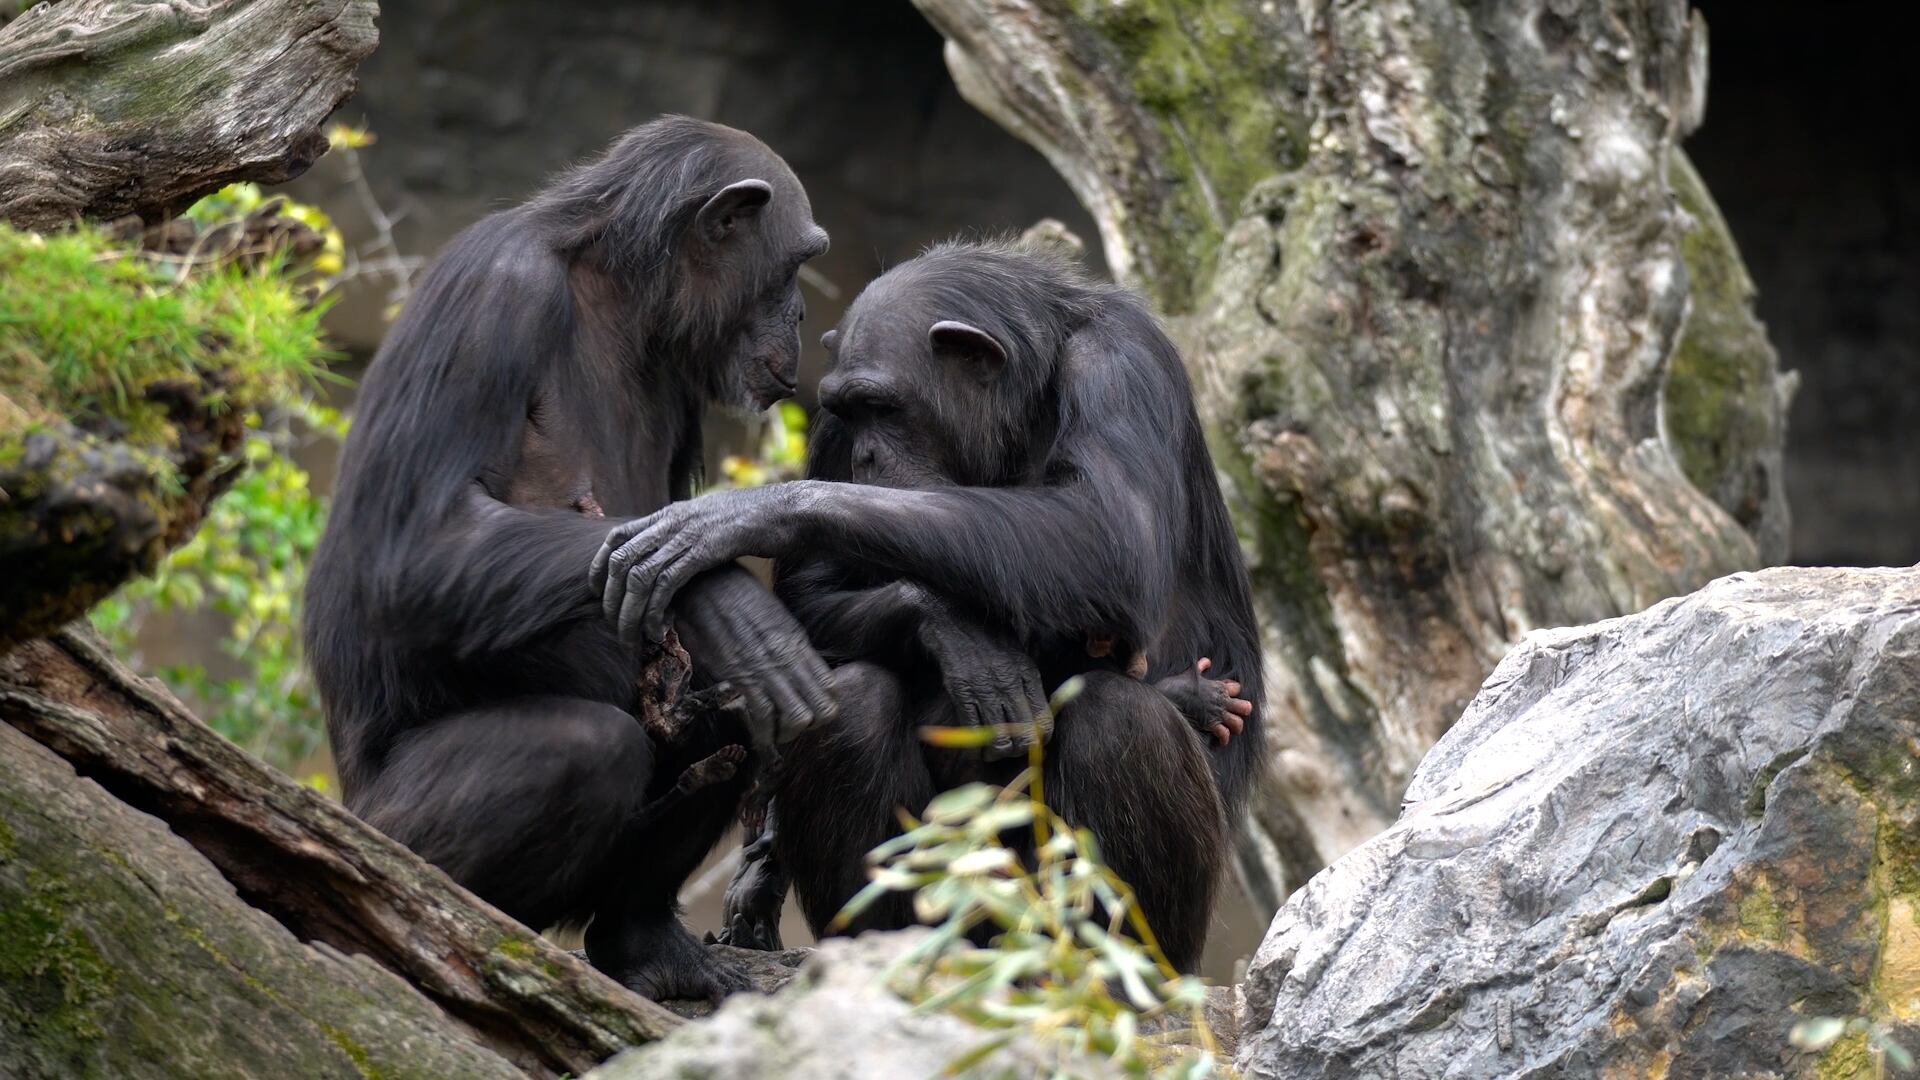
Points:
[[547, 378], [1022, 443]]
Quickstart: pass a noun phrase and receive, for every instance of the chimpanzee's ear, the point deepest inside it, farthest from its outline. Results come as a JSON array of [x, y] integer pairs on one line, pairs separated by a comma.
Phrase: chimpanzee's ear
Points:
[[736, 202], [970, 345]]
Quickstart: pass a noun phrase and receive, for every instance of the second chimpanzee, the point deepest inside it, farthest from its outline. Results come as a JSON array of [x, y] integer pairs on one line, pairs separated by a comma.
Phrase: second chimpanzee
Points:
[[1070, 499], [553, 368]]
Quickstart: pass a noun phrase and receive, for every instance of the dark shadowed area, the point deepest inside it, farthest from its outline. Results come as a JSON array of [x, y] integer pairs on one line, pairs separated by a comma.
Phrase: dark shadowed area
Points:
[[1810, 154]]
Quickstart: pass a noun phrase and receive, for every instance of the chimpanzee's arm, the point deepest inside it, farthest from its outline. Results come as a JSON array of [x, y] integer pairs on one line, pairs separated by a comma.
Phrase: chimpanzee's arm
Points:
[[1055, 559], [988, 675], [435, 558], [851, 619]]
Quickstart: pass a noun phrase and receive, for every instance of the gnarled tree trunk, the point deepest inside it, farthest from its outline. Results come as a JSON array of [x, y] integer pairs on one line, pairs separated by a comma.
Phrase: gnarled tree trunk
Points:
[[1474, 347]]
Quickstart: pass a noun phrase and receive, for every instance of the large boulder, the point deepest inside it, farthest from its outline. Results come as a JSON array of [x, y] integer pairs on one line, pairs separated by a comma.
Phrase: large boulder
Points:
[[1650, 847]]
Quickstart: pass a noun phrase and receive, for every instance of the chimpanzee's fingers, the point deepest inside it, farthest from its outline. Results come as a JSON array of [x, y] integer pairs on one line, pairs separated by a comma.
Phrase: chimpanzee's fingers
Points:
[[816, 684], [674, 574], [1007, 744], [763, 720], [651, 580], [793, 715], [617, 538], [1203, 665], [1240, 707], [1221, 735], [1033, 705], [1231, 687], [1233, 723], [626, 592], [614, 589]]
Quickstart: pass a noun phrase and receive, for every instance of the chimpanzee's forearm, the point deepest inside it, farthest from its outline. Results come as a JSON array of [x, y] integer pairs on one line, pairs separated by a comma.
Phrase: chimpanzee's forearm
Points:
[[1046, 560], [848, 621], [497, 577]]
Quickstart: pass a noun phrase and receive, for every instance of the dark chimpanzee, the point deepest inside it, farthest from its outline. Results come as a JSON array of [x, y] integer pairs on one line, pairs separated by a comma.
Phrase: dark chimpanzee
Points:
[[550, 371], [1022, 443]]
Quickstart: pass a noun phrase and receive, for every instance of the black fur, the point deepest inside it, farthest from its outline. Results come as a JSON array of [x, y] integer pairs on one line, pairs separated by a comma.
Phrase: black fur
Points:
[[1046, 472], [553, 367]]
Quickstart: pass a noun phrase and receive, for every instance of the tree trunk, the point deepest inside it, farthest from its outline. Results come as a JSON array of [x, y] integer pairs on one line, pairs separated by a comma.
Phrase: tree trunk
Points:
[[1475, 350], [339, 941], [110, 108]]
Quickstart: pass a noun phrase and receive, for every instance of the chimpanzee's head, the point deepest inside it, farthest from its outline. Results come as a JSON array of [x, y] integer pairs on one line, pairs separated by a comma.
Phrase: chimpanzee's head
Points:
[[706, 228], [939, 372]]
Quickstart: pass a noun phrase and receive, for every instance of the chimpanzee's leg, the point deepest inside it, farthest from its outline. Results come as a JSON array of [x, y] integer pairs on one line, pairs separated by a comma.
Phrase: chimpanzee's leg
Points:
[[524, 802], [1124, 763], [841, 785], [636, 935]]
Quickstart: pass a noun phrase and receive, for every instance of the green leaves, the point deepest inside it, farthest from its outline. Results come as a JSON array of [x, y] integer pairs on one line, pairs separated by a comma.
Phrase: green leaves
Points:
[[248, 563], [1817, 1034], [1071, 964]]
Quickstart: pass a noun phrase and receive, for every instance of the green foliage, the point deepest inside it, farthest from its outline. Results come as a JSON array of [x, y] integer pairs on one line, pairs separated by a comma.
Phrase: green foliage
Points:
[[1073, 964], [783, 451], [249, 564], [85, 324], [1875, 1039]]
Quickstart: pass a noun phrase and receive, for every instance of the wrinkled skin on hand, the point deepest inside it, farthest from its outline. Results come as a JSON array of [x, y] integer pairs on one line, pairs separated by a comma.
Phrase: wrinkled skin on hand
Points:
[[739, 635], [646, 562], [989, 677], [1213, 707]]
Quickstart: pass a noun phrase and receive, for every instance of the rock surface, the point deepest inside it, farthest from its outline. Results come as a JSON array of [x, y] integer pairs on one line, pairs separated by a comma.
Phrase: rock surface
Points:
[[834, 1021], [1649, 847]]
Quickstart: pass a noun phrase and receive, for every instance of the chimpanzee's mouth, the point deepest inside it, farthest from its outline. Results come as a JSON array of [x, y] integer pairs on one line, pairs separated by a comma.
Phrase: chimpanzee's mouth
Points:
[[790, 381]]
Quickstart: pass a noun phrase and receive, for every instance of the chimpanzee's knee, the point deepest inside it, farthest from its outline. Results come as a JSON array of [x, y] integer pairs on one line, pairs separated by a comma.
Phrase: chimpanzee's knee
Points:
[[525, 802]]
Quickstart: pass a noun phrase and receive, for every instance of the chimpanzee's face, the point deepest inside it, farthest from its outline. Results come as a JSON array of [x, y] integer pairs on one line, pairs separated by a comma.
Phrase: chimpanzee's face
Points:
[[917, 396], [756, 237], [766, 349]]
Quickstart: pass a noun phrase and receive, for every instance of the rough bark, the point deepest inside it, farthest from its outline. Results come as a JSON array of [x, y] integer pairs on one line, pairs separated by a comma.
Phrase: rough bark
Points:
[[337, 888], [110, 108], [1475, 350], [1650, 848], [124, 953]]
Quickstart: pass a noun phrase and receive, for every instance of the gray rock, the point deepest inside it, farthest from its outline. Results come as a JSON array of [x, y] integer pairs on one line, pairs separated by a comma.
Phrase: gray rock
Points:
[[1649, 847], [833, 1021]]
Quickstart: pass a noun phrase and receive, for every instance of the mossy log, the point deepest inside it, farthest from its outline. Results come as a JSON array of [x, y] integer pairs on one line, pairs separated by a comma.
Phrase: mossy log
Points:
[[322, 926], [1475, 350]]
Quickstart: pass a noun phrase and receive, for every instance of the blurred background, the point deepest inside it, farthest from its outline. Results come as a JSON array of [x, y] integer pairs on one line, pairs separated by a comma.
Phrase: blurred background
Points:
[[473, 104]]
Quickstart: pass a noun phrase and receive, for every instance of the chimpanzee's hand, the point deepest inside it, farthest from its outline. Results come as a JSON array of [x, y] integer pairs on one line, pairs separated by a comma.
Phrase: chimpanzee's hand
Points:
[[737, 632], [1212, 706], [644, 563], [989, 677]]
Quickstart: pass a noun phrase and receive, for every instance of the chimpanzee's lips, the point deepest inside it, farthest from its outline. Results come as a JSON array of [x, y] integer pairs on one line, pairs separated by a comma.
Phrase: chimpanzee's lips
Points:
[[789, 380]]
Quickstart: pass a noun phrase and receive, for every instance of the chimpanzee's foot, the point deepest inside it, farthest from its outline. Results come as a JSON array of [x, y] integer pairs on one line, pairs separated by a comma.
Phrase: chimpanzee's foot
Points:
[[664, 962], [750, 916]]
